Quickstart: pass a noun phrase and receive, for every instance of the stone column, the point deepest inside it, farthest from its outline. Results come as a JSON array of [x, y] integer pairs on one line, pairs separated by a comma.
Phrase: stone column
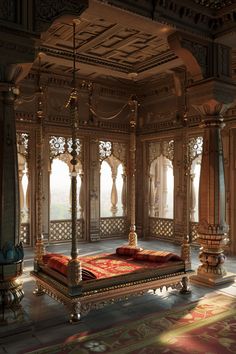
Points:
[[212, 98], [11, 250]]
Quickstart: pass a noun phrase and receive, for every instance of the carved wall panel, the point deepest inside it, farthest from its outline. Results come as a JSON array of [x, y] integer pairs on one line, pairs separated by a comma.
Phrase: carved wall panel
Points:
[[60, 230], [113, 227], [161, 228]]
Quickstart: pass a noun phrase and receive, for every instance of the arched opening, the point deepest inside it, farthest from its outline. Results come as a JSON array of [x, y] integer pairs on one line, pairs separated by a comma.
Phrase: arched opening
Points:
[[161, 188]]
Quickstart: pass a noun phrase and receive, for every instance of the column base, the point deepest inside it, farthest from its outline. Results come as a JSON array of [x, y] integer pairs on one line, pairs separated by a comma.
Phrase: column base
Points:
[[12, 317], [11, 294], [211, 281]]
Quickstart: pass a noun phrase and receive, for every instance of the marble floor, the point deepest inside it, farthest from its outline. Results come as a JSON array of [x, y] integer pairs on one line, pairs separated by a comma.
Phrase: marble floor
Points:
[[45, 321]]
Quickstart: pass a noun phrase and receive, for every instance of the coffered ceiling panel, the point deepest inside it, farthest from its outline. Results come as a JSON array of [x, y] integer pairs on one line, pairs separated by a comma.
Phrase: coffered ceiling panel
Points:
[[108, 44], [108, 40]]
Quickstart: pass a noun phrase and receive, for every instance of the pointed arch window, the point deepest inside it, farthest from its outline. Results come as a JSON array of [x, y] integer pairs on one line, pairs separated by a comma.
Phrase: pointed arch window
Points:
[[161, 179], [195, 147], [60, 187], [112, 182], [24, 185]]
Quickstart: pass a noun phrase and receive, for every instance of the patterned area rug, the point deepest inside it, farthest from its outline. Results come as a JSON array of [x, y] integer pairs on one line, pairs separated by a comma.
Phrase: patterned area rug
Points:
[[207, 326]]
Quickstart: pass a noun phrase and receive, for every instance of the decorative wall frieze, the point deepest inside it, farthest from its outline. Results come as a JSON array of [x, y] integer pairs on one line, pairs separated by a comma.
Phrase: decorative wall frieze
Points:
[[46, 11], [85, 59], [158, 60], [25, 117], [103, 91], [194, 16], [214, 4]]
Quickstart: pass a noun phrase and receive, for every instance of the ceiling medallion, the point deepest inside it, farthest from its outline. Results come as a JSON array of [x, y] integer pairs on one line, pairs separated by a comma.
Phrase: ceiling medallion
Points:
[[214, 4]]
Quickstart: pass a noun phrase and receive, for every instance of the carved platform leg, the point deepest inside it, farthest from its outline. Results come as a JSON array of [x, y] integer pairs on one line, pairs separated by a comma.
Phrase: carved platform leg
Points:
[[74, 312], [38, 291], [185, 286]]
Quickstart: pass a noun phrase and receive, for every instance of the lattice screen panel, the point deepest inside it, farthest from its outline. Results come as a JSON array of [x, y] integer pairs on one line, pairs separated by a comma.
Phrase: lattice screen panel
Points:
[[25, 233], [60, 230], [113, 227], [193, 232], [161, 228]]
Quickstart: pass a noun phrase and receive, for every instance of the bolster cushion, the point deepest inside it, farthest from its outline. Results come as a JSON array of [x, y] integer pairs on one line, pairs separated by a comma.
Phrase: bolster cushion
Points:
[[48, 256], [156, 256], [127, 250]]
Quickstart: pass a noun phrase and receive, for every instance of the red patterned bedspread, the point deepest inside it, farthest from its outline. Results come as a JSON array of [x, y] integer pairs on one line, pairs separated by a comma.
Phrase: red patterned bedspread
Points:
[[106, 265]]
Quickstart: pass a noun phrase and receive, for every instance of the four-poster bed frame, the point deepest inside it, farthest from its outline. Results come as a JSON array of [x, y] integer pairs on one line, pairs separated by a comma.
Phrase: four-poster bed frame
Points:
[[81, 296], [82, 284]]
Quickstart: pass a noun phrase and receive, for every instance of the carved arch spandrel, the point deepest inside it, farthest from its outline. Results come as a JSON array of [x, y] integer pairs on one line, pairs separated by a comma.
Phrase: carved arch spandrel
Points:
[[158, 148], [191, 56]]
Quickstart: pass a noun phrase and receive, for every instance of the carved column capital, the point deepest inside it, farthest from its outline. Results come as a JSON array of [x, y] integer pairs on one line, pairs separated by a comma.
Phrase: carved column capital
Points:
[[212, 98]]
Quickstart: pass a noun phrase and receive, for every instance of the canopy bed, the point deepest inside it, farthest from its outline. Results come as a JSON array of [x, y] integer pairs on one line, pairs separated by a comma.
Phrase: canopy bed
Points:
[[94, 281], [83, 283]]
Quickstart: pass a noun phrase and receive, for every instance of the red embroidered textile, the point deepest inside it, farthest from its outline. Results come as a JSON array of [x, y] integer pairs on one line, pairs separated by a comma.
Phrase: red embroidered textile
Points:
[[156, 256], [48, 256], [108, 265], [127, 250], [59, 262]]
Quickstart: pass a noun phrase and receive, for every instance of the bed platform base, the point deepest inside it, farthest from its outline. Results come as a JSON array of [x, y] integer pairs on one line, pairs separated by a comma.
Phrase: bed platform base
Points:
[[87, 300]]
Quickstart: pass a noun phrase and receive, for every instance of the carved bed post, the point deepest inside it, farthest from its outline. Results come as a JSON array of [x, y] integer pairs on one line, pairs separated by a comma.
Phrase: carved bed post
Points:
[[133, 121], [39, 245], [74, 273], [185, 248]]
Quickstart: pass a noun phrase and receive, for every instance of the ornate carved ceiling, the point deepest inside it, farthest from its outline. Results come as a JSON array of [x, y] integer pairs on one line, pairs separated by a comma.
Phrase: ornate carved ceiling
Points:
[[130, 47], [120, 44]]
